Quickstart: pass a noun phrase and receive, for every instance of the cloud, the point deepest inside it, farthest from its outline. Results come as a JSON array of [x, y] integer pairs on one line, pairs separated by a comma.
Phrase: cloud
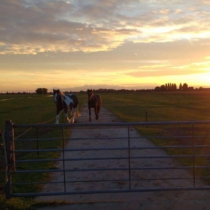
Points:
[[49, 26], [158, 70], [31, 27]]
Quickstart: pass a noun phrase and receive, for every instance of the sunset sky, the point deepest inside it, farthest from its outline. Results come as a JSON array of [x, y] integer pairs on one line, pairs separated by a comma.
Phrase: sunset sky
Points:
[[80, 44]]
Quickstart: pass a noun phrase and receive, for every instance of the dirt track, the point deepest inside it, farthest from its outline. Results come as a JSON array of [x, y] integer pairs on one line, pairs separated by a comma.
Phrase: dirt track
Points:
[[175, 200]]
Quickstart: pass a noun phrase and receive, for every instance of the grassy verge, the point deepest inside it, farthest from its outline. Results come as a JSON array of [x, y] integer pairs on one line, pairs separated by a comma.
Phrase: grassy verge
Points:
[[132, 107], [29, 109], [168, 106], [160, 106]]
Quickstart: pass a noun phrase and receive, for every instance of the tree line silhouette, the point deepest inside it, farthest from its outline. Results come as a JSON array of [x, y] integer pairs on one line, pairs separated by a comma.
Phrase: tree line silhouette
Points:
[[165, 87], [173, 87]]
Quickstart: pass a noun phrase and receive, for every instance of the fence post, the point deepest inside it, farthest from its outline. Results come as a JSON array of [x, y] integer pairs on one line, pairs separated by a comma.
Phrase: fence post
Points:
[[37, 140], [10, 156], [64, 172], [146, 117], [129, 158], [193, 147]]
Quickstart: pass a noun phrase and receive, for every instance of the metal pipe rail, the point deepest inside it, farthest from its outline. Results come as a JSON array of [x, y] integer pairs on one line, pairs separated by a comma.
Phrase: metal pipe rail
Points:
[[136, 166], [126, 124]]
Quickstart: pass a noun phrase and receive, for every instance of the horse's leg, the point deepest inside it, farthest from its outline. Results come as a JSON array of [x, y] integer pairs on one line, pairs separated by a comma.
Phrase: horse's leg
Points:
[[96, 112], [73, 115], [57, 117], [76, 114], [89, 114], [67, 117]]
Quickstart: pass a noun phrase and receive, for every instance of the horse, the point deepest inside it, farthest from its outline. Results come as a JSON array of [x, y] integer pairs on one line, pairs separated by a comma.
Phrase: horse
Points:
[[65, 102], [94, 101]]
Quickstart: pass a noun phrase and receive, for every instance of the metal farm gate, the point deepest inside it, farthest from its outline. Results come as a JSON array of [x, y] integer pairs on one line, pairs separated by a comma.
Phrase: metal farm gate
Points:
[[106, 158]]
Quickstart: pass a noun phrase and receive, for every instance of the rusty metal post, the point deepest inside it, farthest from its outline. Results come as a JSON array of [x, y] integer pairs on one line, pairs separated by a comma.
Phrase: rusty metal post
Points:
[[129, 158], [10, 155], [37, 140], [193, 150], [64, 171]]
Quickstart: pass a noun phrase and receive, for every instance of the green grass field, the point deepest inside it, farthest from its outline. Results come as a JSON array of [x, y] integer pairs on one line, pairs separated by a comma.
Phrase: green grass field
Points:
[[27, 109], [168, 106], [130, 106], [160, 106]]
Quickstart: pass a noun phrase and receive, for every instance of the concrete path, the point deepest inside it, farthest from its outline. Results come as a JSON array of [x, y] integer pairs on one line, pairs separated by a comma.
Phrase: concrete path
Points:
[[174, 200]]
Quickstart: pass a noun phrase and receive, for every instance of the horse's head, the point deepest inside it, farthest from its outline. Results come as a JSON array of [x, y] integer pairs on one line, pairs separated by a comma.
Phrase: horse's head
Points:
[[56, 94], [90, 93]]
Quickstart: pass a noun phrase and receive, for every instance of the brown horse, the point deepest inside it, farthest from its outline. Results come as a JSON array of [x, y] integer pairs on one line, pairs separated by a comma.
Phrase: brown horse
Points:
[[94, 101]]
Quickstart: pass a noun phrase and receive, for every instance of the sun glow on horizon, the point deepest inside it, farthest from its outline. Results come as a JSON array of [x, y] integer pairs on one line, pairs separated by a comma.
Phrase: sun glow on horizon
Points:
[[73, 44]]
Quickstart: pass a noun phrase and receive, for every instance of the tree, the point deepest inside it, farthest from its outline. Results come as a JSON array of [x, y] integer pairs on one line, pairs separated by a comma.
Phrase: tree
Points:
[[41, 90], [163, 87], [185, 86]]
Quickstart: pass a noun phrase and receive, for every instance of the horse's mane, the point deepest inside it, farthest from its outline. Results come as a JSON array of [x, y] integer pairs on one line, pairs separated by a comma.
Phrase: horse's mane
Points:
[[61, 93]]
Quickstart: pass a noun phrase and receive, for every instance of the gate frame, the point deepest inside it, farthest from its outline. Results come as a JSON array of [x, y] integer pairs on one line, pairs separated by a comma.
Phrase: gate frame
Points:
[[10, 154]]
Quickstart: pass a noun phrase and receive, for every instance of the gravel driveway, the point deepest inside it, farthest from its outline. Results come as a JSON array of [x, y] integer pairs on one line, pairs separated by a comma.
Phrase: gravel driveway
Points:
[[111, 137]]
